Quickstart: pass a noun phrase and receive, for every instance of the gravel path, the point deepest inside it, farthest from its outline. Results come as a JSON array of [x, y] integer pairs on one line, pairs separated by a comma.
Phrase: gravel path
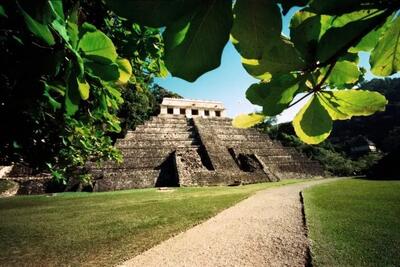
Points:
[[264, 230]]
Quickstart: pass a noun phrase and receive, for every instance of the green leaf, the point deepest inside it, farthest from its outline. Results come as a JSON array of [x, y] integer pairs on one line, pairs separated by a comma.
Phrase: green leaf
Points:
[[3, 12], [163, 70], [83, 87], [343, 104], [385, 58], [97, 46], [313, 123], [274, 96], [52, 101], [344, 73], [305, 30], [194, 44], [72, 96], [247, 120], [114, 93], [350, 35], [125, 70], [257, 24], [369, 41], [57, 7], [106, 72], [40, 30], [73, 34], [154, 13], [61, 29], [87, 27], [281, 58], [338, 7]]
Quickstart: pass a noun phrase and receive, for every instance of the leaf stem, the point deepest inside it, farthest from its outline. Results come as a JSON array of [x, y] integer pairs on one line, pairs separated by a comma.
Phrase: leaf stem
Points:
[[333, 59], [318, 87]]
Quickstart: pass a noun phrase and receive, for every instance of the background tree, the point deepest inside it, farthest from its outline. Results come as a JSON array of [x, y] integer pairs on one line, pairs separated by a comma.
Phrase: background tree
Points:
[[63, 83]]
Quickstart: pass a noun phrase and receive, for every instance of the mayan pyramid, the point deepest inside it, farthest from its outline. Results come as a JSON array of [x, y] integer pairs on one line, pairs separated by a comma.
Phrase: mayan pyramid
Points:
[[192, 143]]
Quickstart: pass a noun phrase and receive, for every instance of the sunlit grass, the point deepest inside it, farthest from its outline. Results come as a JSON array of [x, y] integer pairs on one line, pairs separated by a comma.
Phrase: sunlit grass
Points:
[[102, 229], [354, 223]]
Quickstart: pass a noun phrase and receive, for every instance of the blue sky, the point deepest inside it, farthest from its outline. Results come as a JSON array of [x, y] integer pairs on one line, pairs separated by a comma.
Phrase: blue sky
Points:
[[229, 82]]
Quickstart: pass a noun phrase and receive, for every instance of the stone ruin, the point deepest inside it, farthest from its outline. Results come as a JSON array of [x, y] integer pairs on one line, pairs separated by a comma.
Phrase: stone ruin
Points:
[[192, 143]]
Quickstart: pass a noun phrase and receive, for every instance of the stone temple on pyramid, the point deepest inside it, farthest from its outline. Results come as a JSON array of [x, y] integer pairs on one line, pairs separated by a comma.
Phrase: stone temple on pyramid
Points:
[[193, 143]]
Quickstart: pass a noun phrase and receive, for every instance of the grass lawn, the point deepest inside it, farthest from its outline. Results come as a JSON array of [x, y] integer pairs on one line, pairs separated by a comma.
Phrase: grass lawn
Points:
[[354, 223], [102, 229]]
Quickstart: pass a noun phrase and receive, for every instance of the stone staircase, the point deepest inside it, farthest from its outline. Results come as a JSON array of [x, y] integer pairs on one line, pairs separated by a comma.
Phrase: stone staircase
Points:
[[282, 162], [149, 155], [177, 151]]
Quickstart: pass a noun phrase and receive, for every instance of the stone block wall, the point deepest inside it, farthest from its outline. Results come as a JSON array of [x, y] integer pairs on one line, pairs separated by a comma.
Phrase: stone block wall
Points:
[[179, 151]]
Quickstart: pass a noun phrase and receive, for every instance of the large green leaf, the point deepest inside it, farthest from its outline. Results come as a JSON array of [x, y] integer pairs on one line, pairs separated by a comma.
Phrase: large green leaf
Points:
[[3, 12], [125, 70], [194, 44], [305, 30], [72, 96], [274, 96], [247, 120], [344, 73], [313, 123], [385, 58], [369, 41], [73, 34], [350, 34], [343, 104], [338, 7], [106, 72], [57, 7], [257, 24], [97, 46], [40, 30], [281, 58], [154, 13]]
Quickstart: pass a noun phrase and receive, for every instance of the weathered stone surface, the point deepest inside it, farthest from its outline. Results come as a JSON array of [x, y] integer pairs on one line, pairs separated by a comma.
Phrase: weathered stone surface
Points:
[[180, 151]]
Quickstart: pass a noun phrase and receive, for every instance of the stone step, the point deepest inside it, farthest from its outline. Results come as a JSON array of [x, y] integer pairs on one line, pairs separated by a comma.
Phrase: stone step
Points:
[[210, 123], [309, 167], [213, 119], [262, 150], [277, 157], [169, 118], [164, 125], [156, 144], [249, 144], [231, 130], [151, 151], [172, 120], [243, 137], [123, 179], [163, 130], [132, 163], [159, 136]]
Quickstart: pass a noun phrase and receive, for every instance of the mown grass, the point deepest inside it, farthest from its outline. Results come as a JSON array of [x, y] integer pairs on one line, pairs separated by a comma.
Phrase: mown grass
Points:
[[102, 229], [354, 223]]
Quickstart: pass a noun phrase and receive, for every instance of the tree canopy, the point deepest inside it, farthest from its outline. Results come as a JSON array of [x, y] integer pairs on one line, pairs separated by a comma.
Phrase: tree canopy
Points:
[[69, 70], [318, 60]]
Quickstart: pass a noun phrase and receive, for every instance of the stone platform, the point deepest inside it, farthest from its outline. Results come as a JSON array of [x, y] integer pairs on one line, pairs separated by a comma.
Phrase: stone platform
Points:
[[181, 151]]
